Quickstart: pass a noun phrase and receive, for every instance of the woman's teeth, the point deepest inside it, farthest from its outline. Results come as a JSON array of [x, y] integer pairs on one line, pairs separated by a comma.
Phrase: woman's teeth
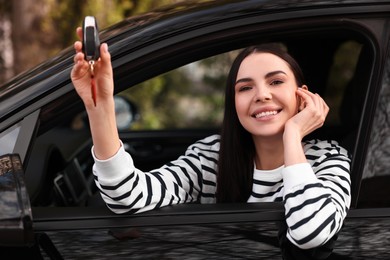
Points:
[[267, 113]]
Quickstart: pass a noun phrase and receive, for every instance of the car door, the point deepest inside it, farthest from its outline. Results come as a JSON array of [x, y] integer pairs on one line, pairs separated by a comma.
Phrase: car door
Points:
[[327, 42], [154, 138]]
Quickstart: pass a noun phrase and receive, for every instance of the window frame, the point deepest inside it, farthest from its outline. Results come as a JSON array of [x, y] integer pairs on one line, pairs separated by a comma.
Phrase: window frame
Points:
[[148, 63]]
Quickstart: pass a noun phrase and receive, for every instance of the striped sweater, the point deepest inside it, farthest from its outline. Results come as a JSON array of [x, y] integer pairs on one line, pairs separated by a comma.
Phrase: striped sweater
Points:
[[316, 194]]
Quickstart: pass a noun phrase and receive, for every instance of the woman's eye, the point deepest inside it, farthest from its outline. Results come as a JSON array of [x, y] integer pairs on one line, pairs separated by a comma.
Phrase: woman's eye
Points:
[[276, 82], [244, 88]]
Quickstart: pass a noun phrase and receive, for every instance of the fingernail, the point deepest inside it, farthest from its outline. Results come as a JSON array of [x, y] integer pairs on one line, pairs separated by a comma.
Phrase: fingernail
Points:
[[105, 47]]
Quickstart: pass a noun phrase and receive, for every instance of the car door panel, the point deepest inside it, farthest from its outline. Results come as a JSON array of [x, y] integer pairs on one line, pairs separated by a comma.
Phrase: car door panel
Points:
[[152, 149]]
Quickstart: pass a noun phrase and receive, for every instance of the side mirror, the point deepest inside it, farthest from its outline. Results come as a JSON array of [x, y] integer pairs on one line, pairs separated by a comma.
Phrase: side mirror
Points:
[[126, 113], [16, 225]]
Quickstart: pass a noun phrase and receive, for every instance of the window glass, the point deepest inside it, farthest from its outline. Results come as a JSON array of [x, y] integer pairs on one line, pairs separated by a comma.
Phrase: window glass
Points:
[[375, 184], [340, 75], [8, 139]]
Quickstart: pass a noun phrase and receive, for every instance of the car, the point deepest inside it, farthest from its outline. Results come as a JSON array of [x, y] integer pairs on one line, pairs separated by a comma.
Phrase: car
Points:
[[169, 70]]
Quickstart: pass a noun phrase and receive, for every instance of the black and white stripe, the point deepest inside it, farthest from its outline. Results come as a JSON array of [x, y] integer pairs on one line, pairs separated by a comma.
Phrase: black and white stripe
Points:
[[315, 208]]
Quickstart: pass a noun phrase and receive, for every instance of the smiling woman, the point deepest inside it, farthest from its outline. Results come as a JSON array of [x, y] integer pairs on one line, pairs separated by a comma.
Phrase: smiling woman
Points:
[[254, 159], [266, 94]]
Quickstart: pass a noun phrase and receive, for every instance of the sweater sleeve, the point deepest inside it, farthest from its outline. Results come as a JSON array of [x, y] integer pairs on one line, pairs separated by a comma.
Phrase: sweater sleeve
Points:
[[317, 194], [125, 188]]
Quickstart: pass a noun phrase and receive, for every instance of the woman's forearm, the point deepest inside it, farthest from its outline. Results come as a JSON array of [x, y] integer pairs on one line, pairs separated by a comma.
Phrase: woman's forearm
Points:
[[104, 129]]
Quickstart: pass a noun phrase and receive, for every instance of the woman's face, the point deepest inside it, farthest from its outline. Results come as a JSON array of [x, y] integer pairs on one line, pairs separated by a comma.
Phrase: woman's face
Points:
[[265, 94]]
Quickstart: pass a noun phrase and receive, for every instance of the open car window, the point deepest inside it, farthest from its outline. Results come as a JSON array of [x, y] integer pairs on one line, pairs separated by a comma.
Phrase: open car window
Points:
[[174, 108], [192, 96]]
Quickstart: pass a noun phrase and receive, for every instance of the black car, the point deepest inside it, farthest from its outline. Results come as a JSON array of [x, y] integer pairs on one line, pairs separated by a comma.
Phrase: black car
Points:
[[169, 68]]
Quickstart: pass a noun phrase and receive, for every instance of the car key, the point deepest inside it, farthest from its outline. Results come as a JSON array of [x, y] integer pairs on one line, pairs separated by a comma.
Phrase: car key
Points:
[[91, 42], [91, 48]]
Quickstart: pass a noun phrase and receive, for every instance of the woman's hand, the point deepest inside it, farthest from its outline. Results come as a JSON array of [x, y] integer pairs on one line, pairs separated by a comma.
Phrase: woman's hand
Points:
[[81, 76], [312, 114], [102, 120]]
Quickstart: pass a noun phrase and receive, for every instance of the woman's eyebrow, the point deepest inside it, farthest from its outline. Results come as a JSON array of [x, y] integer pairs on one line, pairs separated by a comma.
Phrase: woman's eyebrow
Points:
[[272, 73], [243, 80]]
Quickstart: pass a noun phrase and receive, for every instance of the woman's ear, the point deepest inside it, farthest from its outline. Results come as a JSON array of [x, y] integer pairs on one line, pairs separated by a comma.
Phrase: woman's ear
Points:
[[301, 101]]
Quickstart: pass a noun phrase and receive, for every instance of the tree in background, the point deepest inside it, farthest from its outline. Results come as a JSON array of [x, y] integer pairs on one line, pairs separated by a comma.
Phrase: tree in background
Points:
[[32, 31], [6, 50]]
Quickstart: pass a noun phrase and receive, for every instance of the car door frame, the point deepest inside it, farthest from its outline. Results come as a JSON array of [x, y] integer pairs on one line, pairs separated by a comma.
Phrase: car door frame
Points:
[[139, 61]]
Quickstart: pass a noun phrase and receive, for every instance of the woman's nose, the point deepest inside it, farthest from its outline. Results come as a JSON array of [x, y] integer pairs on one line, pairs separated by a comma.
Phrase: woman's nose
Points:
[[262, 94]]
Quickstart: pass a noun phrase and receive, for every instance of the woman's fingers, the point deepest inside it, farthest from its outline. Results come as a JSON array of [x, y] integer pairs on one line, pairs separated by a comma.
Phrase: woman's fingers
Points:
[[314, 112], [103, 65], [78, 46], [104, 54], [80, 65], [105, 57], [314, 100], [79, 32]]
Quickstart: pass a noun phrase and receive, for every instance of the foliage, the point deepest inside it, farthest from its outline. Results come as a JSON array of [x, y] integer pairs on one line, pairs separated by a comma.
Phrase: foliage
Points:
[[65, 16], [188, 97], [48, 26]]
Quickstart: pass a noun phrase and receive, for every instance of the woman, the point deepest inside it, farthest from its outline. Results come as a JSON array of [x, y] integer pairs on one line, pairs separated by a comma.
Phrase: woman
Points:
[[258, 157]]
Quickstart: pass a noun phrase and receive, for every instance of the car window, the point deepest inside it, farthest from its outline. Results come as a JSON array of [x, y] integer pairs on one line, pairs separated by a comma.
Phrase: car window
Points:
[[191, 96], [375, 183], [184, 100], [17, 138], [8, 139], [341, 73]]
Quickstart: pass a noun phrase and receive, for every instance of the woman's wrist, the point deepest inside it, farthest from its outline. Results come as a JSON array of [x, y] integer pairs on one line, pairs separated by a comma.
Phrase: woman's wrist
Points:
[[103, 106], [292, 132], [293, 151]]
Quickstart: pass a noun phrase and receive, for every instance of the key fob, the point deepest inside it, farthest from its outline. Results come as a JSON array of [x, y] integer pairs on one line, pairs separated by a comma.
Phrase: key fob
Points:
[[91, 42]]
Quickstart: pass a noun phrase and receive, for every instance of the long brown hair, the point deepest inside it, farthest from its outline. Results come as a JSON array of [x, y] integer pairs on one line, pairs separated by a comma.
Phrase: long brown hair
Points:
[[237, 150]]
